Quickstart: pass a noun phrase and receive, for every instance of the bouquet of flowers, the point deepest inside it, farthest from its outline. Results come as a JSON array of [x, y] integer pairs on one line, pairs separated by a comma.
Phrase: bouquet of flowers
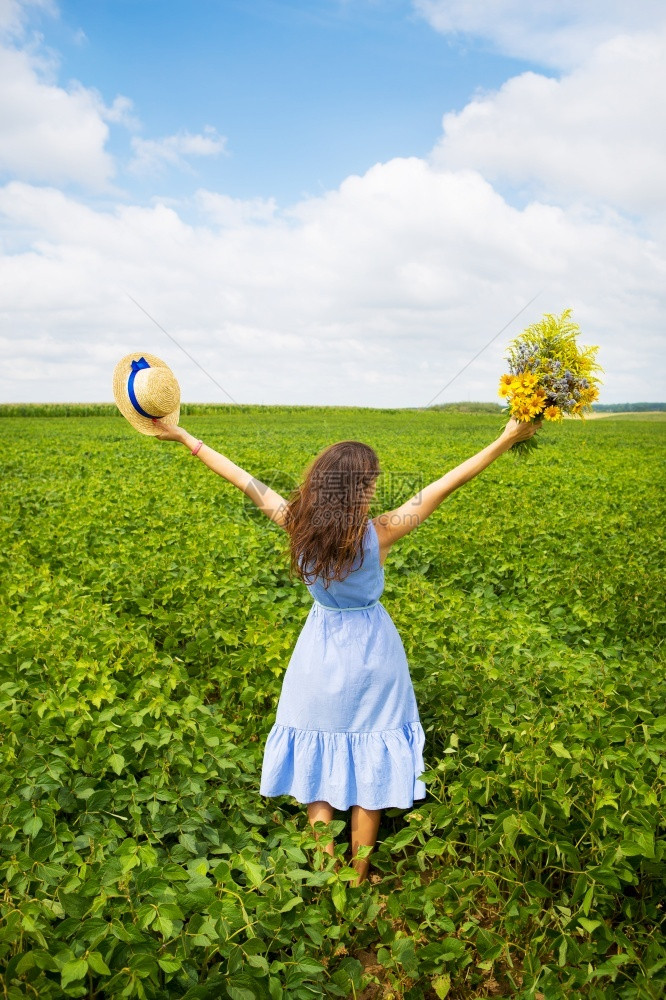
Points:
[[549, 375]]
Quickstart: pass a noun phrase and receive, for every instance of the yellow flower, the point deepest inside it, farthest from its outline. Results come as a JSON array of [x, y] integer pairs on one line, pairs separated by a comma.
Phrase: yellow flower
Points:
[[552, 413], [523, 393], [538, 399], [505, 385], [531, 403], [521, 411], [525, 385]]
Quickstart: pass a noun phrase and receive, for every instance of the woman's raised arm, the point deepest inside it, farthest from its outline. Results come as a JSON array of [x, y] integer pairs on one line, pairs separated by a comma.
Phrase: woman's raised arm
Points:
[[396, 523], [267, 500]]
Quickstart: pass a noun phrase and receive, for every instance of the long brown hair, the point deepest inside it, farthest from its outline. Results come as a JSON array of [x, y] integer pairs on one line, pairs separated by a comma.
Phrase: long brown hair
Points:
[[326, 515]]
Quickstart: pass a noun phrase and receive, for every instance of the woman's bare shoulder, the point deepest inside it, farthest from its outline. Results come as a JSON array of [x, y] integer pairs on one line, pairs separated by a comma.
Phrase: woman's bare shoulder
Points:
[[384, 538]]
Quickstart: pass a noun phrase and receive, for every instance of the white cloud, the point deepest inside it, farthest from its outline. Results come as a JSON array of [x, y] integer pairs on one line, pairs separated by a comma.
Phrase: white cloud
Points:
[[376, 293], [152, 155], [551, 32], [221, 210], [598, 133], [48, 133], [121, 112], [14, 14]]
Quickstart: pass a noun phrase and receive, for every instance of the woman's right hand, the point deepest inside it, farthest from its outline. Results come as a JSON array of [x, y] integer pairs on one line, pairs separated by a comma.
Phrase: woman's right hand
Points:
[[519, 430], [170, 432]]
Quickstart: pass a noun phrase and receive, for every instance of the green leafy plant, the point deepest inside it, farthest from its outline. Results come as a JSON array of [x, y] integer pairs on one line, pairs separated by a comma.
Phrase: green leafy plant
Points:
[[148, 618]]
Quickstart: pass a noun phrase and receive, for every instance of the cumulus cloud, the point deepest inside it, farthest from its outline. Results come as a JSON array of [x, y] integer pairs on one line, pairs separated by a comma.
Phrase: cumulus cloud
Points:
[[552, 32], [152, 155], [598, 133], [377, 293], [49, 133]]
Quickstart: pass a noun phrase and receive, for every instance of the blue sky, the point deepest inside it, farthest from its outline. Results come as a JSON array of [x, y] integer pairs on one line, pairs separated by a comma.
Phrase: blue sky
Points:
[[304, 93], [328, 202]]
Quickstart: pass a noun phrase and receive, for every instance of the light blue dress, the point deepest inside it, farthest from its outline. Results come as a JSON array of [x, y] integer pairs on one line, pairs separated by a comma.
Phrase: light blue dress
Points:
[[347, 728]]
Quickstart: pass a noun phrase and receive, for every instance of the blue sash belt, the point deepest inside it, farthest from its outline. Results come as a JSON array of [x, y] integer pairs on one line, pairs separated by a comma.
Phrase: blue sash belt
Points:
[[361, 607]]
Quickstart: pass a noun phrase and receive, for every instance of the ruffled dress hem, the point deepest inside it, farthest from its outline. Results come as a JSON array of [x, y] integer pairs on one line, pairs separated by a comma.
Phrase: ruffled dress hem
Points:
[[375, 770]]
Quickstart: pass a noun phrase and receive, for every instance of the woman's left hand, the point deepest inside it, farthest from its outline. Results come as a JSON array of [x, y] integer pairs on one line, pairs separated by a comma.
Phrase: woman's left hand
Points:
[[516, 430]]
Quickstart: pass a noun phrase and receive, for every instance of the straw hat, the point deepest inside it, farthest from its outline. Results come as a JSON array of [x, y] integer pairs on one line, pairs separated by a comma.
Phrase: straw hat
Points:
[[144, 387]]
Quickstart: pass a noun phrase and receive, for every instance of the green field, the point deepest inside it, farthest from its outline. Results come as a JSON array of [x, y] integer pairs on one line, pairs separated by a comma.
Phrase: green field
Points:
[[147, 620]]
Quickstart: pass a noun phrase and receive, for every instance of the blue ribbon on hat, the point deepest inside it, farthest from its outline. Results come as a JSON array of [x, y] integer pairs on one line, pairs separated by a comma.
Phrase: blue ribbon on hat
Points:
[[137, 366]]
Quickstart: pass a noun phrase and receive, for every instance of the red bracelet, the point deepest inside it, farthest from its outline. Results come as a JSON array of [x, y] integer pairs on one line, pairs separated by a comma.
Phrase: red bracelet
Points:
[[196, 447]]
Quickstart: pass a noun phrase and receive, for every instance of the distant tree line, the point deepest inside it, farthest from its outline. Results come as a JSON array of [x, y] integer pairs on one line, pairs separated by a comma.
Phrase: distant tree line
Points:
[[210, 409], [186, 409], [627, 407]]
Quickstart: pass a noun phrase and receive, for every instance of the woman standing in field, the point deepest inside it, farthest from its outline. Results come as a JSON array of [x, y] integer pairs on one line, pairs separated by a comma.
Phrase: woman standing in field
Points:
[[347, 730]]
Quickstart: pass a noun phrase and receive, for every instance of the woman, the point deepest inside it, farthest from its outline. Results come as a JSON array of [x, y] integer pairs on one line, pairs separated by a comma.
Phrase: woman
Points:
[[347, 731]]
